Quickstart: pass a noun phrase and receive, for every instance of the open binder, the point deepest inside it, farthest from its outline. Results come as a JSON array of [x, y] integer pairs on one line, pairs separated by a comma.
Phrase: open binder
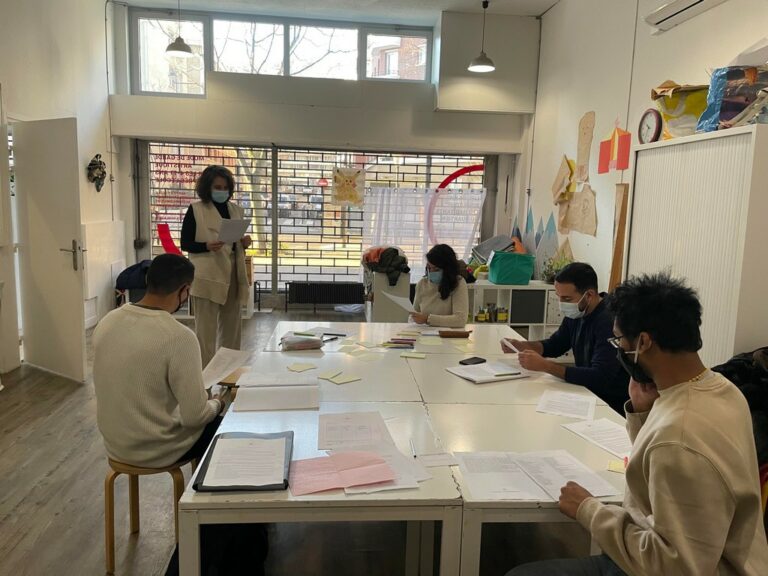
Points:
[[247, 462]]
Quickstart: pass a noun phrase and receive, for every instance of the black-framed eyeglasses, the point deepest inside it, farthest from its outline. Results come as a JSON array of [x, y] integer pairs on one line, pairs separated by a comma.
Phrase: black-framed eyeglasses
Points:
[[615, 341]]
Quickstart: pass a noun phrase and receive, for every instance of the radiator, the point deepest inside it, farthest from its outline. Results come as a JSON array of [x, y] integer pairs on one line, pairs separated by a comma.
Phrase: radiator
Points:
[[323, 293]]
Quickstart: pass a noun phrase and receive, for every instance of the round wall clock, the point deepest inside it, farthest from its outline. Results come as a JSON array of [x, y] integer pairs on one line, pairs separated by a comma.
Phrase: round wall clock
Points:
[[649, 129]]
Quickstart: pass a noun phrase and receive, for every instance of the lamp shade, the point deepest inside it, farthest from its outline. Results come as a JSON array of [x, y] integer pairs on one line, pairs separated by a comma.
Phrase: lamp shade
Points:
[[481, 64], [179, 49]]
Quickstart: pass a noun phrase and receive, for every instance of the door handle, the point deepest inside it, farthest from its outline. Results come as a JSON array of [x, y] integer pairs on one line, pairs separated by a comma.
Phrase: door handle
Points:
[[74, 253]]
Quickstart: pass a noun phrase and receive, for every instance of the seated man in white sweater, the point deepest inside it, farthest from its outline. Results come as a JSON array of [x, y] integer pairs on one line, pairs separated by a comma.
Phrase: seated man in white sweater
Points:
[[692, 497], [151, 406]]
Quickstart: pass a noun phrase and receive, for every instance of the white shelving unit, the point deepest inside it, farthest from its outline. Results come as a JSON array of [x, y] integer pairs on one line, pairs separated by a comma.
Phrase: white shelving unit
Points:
[[534, 305], [698, 208]]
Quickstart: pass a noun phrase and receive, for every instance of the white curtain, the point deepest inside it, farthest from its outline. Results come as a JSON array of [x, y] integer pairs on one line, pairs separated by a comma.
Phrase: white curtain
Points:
[[414, 219]]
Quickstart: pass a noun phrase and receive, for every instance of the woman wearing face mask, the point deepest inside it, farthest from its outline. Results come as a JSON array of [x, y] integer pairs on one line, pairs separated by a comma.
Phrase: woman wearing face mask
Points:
[[220, 285], [441, 296]]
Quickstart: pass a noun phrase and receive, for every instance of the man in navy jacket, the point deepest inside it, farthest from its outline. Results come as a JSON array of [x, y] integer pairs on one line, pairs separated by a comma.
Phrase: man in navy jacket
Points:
[[587, 325]]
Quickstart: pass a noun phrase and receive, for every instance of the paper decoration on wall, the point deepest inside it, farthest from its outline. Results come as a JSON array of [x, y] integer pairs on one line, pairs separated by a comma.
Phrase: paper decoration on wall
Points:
[[619, 235], [561, 185], [547, 247], [529, 238], [516, 230], [580, 214], [586, 134], [614, 152], [348, 186], [539, 231], [565, 251]]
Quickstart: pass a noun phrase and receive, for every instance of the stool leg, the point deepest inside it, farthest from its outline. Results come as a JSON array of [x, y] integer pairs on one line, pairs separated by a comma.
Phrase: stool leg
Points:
[[133, 498], [109, 519], [178, 490]]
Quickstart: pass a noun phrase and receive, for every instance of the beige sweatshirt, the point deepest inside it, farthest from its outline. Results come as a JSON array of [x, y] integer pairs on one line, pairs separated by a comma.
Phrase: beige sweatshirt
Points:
[[451, 312], [151, 406], [692, 503]]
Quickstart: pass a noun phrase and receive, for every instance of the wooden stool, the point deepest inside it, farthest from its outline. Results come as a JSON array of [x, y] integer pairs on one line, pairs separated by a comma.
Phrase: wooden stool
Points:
[[133, 472]]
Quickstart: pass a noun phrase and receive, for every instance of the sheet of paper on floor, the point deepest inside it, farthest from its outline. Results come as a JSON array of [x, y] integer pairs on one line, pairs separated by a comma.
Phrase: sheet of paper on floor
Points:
[[608, 435], [223, 363], [345, 429], [567, 404]]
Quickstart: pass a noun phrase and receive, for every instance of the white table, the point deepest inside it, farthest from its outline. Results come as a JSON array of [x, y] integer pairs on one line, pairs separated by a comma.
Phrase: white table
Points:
[[514, 429], [484, 337], [437, 499], [441, 387], [385, 376]]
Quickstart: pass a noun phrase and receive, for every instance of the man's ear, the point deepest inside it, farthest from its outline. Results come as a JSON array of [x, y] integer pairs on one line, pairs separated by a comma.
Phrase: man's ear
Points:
[[645, 342]]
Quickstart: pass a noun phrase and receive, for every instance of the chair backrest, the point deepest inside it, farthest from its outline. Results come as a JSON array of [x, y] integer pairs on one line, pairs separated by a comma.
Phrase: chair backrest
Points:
[[164, 233]]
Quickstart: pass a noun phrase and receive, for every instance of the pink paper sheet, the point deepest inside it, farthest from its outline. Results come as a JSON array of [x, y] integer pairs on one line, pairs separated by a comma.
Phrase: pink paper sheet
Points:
[[342, 470]]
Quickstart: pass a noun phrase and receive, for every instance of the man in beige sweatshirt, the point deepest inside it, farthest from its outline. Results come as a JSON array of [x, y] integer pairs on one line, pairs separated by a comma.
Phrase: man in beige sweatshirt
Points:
[[692, 502], [151, 406]]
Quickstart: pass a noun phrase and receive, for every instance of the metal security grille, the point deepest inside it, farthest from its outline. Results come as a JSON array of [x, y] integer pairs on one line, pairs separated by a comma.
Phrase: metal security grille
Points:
[[317, 240]]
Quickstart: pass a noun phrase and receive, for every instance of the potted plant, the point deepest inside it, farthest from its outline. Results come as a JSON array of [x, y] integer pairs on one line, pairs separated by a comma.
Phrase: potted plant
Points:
[[553, 265]]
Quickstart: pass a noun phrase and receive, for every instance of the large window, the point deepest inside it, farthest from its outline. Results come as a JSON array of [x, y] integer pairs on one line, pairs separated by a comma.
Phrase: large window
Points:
[[158, 73], [316, 239], [270, 46]]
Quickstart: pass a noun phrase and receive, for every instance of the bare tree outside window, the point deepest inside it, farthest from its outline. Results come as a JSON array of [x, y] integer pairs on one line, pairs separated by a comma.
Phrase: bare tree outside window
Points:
[[248, 47], [323, 52]]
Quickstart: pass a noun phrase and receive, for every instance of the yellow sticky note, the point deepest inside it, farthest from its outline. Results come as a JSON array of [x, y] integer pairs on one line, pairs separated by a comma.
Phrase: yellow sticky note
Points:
[[329, 374], [358, 352], [345, 379], [430, 341], [301, 367], [616, 466], [409, 333], [347, 349], [367, 344], [414, 355]]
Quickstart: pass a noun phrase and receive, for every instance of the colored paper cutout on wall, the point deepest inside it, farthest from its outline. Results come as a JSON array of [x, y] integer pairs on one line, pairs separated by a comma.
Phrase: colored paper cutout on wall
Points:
[[562, 181], [580, 214], [548, 245], [583, 152], [348, 186], [614, 152]]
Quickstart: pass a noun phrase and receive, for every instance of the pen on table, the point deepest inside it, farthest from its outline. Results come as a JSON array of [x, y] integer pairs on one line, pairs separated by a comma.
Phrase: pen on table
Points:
[[413, 450], [511, 346]]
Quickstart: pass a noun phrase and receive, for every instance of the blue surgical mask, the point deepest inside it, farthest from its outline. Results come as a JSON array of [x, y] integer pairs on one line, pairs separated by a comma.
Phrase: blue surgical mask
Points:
[[435, 276], [220, 196], [571, 309]]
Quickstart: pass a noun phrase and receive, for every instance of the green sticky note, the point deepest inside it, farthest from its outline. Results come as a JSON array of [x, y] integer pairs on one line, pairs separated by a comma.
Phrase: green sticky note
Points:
[[329, 374], [345, 379], [301, 367], [414, 355]]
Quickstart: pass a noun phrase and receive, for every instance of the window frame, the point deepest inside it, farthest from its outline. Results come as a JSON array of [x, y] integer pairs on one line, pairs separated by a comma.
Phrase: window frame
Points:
[[206, 18]]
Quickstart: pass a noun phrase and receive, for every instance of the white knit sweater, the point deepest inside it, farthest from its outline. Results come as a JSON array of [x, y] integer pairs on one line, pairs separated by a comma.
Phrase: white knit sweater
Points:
[[150, 400], [451, 312]]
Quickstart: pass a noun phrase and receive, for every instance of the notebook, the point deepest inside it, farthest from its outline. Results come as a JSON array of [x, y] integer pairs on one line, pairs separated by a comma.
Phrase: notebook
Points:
[[243, 461]]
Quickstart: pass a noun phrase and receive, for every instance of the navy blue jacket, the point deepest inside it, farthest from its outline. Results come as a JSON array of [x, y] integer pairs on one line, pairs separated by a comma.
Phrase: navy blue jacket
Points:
[[597, 368]]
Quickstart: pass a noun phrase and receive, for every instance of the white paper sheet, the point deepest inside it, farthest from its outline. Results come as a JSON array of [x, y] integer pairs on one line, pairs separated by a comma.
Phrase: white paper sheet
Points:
[[488, 372], [351, 429], [408, 472], [604, 433], [496, 476], [567, 404], [255, 398], [232, 230], [246, 462], [437, 460], [554, 468], [254, 378], [223, 363], [401, 301]]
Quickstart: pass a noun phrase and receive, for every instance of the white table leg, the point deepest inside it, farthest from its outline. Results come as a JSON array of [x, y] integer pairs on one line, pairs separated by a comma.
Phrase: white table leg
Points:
[[471, 536], [412, 547], [189, 543], [450, 545], [427, 548]]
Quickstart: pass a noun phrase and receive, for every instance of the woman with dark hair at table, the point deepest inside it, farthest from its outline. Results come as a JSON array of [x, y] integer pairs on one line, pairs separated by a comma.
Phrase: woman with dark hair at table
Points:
[[441, 296]]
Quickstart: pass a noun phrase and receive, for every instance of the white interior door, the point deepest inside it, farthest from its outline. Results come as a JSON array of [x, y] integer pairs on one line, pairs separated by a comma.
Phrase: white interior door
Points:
[[47, 175]]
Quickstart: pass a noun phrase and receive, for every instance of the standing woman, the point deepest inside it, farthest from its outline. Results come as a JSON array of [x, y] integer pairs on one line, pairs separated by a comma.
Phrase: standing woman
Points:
[[220, 284], [441, 296]]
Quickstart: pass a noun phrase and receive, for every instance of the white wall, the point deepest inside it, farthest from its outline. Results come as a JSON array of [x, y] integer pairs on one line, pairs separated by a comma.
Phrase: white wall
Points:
[[586, 64], [53, 66], [512, 42]]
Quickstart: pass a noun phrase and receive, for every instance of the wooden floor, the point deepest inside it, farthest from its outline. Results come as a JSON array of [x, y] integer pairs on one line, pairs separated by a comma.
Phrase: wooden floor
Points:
[[52, 467]]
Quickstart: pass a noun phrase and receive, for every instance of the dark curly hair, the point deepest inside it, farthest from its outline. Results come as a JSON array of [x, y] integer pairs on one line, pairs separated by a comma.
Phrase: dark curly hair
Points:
[[581, 275], [663, 306], [206, 178], [443, 256]]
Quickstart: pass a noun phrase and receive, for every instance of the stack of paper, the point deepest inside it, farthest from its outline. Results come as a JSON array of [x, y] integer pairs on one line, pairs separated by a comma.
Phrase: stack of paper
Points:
[[342, 470], [280, 397], [536, 476], [254, 378], [487, 372], [351, 429], [223, 363], [567, 404], [408, 472], [338, 377]]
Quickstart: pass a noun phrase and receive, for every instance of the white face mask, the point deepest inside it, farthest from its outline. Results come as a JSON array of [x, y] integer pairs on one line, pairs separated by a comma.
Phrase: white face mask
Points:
[[571, 309]]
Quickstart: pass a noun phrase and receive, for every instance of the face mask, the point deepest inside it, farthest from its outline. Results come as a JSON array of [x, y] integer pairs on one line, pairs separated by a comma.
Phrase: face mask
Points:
[[220, 196], [632, 367], [181, 302], [435, 277], [571, 309]]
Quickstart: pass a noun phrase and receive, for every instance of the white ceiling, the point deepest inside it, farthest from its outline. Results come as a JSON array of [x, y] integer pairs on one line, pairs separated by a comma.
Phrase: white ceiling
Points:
[[416, 12]]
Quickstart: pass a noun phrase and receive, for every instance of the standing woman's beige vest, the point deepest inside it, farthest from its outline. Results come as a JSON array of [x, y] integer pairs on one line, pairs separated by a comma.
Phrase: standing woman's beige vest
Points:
[[213, 270]]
